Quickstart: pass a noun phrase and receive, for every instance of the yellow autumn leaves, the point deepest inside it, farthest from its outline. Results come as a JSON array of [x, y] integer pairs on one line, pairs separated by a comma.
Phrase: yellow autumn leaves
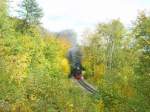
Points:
[[65, 66], [17, 66]]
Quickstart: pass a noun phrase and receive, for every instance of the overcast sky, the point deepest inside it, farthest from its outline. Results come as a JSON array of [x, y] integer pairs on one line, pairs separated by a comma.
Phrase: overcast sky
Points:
[[82, 14]]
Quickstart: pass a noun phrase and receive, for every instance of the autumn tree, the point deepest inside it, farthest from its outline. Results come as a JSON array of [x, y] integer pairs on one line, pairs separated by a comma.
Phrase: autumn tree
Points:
[[112, 33], [93, 60], [109, 51], [30, 14], [141, 32]]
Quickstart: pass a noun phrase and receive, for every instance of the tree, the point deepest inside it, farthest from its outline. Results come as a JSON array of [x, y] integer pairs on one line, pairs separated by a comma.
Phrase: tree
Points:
[[3, 18], [109, 50], [93, 56], [105, 46], [141, 33], [112, 33], [31, 12]]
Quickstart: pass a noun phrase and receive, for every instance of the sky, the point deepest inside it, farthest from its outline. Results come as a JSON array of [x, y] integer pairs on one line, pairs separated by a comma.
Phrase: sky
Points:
[[81, 15]]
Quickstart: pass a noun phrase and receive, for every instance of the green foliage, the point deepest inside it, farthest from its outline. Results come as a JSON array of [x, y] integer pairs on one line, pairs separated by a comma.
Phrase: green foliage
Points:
[[142, 36], [30, 12], [32, 78], [4, 25], [112, 47]]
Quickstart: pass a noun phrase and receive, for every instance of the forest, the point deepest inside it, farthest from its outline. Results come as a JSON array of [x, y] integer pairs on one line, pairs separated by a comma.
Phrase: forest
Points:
[[34, 68]]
